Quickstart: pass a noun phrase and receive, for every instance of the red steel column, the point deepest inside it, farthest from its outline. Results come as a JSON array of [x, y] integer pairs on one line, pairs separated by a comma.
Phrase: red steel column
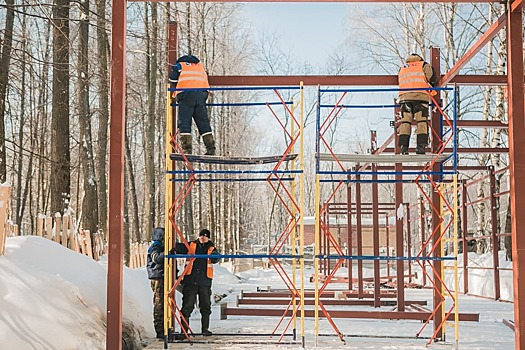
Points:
[[116, 175], [464, 229], [387, 240], [436, 202], [359, 233], [422, 232], [494, 234], [400, 264], [349, 242], [375, 232], [409, 242], [517, 166]]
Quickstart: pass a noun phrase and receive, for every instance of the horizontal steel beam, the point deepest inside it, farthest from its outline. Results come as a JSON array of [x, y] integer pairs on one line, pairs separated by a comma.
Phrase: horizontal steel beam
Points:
[[323, 1], [326, 294], [388, 315], [341, 80], [263, 301], [473, 150]]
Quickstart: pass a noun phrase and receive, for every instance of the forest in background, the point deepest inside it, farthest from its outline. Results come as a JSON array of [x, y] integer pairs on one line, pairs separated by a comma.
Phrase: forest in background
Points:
[[54, 105]]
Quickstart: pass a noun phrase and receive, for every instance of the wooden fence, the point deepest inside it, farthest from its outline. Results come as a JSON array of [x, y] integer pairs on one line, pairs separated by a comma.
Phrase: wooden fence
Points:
[[138, 254]]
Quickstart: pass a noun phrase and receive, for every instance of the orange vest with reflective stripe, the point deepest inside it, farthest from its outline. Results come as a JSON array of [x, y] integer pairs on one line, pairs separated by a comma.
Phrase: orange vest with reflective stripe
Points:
[[191, 251], [412, 76], [192, 76]]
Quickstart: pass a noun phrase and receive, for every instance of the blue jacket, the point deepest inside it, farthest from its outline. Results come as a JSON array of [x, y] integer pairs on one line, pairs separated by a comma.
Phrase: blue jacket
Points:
[[155, 263]]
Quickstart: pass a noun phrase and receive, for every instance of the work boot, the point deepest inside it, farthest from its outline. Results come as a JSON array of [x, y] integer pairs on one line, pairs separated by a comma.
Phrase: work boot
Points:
[[402, 142], [185, 143], [422, 142], [209, 142], [205, 324]]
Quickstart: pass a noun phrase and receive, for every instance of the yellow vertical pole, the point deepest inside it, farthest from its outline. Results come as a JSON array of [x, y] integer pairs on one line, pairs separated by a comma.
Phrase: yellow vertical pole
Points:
[[456, 282], [168, 229], [301, 204]]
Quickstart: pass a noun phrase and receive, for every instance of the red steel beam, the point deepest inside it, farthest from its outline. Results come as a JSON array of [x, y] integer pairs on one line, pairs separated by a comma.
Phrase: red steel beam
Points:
[[517, 5], [341, 80], [310, 294], [116, 175], [476, 150], [517, 166], [323, 1], [325, 301], [491, 32], [496, 124], [388, 315]]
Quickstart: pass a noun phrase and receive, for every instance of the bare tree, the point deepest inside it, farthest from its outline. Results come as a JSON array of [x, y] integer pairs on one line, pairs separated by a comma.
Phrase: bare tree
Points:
[[5, 58]]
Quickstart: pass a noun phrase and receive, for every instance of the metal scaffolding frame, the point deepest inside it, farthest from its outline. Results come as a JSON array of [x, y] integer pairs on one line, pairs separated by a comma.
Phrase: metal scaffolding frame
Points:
[[512, 19]]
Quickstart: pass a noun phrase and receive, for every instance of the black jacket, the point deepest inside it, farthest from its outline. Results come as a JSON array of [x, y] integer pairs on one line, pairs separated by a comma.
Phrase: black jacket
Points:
[[198, 272]]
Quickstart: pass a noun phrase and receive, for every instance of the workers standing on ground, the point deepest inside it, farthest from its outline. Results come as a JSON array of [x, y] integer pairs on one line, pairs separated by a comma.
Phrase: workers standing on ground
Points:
[[155, 268], [415, 74], [197, 280], [188, 73]]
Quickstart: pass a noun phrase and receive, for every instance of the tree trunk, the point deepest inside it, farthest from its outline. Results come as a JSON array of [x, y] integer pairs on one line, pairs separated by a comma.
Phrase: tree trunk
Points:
[[103, 113], [7, 43], [90, 218], [60, 155]]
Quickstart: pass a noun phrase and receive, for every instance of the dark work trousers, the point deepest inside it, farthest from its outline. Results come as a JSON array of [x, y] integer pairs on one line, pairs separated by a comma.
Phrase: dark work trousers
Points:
[[189, 296], [158, 305], [192, 104]]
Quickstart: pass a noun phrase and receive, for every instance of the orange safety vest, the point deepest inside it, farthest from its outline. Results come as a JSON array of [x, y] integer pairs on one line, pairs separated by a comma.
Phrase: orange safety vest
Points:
[[192, 76], [412, 76], [191, 251]]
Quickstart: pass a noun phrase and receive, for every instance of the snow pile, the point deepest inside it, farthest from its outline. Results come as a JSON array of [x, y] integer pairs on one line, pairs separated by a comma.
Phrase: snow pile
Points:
[[54, 298]]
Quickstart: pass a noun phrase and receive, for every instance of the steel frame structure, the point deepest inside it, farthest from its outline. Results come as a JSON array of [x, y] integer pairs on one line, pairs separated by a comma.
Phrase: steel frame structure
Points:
[[512, 19]]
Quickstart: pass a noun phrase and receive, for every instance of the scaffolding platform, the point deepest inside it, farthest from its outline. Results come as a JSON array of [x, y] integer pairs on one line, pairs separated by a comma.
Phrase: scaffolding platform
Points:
[[383, 158], [194, 158]]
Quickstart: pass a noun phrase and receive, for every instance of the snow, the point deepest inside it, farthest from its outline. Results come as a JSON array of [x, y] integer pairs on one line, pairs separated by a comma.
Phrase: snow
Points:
[[54, 298]]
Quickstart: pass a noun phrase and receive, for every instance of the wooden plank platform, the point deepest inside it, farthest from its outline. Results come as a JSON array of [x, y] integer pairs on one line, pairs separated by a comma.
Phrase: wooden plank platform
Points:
[[383, 158], [195, 158]]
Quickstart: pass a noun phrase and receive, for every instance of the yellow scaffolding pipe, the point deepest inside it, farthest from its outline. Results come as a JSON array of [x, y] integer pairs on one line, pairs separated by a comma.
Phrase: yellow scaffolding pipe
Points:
[[168, 231]]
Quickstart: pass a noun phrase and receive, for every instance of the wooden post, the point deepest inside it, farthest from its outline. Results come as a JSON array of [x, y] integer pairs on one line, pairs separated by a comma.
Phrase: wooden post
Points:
[[49, 227], [64, 235], [58, 225], [89, 246], [4, 207], [39, 225]]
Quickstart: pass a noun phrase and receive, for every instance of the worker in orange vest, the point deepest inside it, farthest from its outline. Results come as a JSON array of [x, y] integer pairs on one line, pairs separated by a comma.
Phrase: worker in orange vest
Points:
[[414, 74], [188, 73], [197, 280]]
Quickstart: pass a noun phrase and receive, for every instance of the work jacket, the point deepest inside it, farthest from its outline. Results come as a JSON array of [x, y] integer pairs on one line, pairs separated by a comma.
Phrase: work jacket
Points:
[[200, 271], [192, 76], [415, 74]]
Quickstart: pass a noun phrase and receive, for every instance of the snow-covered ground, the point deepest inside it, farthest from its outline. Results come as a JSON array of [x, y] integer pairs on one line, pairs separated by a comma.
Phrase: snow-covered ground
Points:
[[54, 298]]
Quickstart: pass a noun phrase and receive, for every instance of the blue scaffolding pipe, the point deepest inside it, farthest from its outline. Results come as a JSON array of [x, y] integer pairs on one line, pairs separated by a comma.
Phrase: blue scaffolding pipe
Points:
[[359, 106], [239, 88], [242, 104], [376, 181], [234, 172], [375, 257], [387, 172], [386, 90], [235, 256], [236, 180]]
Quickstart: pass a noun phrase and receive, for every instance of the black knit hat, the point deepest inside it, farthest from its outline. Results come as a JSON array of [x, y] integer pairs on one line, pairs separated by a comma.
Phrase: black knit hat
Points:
[[205, 232]]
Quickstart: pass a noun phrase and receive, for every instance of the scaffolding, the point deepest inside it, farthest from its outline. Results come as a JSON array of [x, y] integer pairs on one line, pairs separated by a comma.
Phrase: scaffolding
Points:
[[430, 174], [285, 178]]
